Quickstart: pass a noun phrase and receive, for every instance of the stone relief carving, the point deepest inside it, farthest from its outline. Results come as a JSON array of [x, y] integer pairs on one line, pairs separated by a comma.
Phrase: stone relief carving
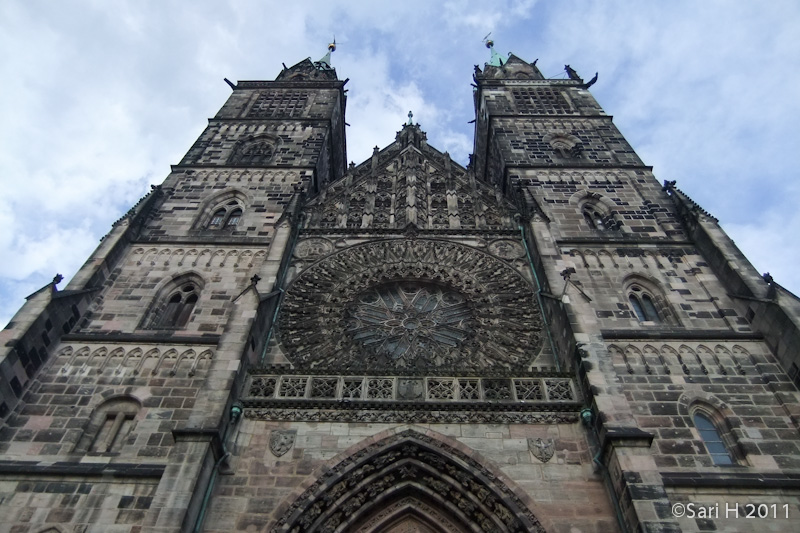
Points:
[[507, 249], [358, 309], [314, 247], [410, 389], [542, 449], [281, 441]]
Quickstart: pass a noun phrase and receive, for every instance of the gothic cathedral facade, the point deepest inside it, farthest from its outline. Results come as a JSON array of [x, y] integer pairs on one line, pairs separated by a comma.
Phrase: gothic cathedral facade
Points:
[[545, 340]]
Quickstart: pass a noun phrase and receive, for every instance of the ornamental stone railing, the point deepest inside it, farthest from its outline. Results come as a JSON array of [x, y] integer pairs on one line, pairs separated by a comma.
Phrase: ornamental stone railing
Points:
[[547, 390]]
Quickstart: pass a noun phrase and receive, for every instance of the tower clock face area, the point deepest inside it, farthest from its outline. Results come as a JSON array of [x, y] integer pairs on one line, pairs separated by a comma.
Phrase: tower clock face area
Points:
[[410, 304]]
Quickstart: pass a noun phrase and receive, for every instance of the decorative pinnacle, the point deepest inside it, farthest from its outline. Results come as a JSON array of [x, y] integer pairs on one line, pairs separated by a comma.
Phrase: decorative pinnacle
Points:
[[410, 117]]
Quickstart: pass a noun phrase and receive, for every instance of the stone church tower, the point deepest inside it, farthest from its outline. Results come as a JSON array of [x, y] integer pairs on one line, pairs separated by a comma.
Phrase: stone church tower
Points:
[[546, 340]]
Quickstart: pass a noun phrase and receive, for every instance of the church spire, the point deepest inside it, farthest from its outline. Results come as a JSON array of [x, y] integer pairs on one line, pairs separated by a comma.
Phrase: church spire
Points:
[[311, 70], [496, 59], [325, 62]]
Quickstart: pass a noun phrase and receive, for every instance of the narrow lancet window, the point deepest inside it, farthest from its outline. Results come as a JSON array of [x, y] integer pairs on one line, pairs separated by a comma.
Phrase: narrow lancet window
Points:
[[713, 440], [643, 305]]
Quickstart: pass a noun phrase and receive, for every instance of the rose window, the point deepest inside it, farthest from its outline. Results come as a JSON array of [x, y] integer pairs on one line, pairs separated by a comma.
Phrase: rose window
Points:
[[410, 304], [410, 322]]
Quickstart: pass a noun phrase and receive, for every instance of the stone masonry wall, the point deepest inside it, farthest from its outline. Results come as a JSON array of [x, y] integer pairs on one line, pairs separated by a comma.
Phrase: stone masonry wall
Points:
[[134, 287], [298, 143], [563, 493], [525, 142], [193, 194], [631, 197], [35, 504]]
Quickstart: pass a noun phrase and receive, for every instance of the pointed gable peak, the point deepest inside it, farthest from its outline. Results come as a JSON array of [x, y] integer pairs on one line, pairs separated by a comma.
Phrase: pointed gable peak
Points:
[[411, 135], [409, 187]]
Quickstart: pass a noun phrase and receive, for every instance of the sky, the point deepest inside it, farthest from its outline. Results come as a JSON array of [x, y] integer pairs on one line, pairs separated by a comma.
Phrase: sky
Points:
[[101, 96]]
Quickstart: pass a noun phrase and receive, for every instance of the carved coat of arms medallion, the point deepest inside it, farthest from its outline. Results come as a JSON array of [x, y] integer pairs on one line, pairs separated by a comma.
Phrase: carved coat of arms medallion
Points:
[[281, 441], [410, 389], [507, 249], [542, 449], [313, 247]]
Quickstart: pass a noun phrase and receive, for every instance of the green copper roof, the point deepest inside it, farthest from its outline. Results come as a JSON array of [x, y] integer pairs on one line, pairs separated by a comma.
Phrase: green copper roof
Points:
[[325, 62], [496, 59]]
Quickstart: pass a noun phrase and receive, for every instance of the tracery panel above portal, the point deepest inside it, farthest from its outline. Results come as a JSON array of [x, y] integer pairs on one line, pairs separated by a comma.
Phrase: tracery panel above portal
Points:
[[410, 304]]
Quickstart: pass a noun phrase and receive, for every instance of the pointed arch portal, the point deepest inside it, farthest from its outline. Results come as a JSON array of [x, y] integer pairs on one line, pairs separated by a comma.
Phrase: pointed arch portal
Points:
[[408, 482]]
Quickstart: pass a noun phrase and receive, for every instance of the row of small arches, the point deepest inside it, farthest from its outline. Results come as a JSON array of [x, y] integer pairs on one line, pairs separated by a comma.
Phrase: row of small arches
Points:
[[196, 257], [700, 361], [138, 358], [592, 259], [248, 175]]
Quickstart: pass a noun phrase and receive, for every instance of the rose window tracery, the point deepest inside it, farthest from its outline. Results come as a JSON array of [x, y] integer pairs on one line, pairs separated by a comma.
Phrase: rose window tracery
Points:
[[410, 303], [410, 320]]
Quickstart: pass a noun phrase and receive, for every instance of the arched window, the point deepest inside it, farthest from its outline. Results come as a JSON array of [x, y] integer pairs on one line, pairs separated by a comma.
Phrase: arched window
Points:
[[179, 307], [594, 218], [565, 145], [643, 306], [227, 216], [217, 219], [647, 302], [173, 307], [233, 218], [712, 438], [110, 424], [254, 151], [598, 215]]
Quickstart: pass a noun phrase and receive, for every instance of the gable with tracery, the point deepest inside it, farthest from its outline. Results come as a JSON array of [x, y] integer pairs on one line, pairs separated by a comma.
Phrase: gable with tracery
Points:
[[410, 183]]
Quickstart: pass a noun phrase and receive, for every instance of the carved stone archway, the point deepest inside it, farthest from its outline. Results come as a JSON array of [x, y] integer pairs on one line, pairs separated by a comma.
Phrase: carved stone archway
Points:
[[410, 481], [408, 515]]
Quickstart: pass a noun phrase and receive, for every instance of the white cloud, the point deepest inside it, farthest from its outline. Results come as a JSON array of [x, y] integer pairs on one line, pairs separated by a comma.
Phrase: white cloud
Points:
[[101, 97]]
